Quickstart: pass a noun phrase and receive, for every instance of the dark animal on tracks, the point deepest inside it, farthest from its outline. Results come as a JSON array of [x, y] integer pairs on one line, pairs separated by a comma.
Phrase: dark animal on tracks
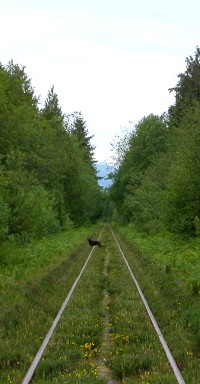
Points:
[[94, 242]]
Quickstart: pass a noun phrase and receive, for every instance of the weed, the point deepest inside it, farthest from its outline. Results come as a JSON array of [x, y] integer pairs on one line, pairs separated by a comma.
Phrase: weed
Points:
[[36, 281], [77, 337], [33, 284], [48, 367], [195, 288], [130, 365], [167, 268]]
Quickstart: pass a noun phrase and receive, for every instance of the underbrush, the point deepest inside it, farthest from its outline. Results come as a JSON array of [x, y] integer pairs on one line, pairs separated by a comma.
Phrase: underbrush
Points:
[[71, 356], [32, 297], [171, 253], [20, 261], [168, 269], [34, 281], [136, 355]]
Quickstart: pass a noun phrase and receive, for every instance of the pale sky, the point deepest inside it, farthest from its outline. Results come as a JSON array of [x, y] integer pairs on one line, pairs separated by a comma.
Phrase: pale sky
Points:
[[113, 60]]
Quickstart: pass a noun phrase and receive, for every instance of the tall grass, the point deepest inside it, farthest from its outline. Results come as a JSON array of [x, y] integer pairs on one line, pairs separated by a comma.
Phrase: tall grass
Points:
[[34, 282], [167, 267], [116, 331], [136, 355], [72, 354]]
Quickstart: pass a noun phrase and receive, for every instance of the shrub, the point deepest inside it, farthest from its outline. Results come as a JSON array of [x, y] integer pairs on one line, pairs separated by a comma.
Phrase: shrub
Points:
[[4, 218], [35, 217]]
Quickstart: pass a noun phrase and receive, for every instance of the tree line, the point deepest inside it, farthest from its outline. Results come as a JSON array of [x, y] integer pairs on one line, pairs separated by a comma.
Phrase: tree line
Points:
[[156, 185], [48, 177]]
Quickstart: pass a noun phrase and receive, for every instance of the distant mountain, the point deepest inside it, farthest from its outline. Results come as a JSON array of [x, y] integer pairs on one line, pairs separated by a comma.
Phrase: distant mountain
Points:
[[103, 170]]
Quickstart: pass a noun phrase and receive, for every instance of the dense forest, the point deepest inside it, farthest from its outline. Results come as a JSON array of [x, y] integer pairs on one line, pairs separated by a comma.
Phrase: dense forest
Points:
[[157, 181], [48, 176], [51, 201]]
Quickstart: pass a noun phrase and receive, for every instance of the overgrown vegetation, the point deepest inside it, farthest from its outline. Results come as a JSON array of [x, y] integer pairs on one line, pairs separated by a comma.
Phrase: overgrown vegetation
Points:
[[72, 354], [156, 203], [156, 184], [34, 282], [48, 189], [135, 353], [168, 270], [34, 286], [131, 349], [48, 178]]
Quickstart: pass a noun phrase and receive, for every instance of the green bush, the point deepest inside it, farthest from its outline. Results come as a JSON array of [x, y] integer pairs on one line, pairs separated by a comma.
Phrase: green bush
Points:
[[35, 217], [4, 218]]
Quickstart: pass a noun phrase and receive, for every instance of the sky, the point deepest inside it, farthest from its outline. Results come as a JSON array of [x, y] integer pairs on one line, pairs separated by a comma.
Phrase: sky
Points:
[[112, 60]]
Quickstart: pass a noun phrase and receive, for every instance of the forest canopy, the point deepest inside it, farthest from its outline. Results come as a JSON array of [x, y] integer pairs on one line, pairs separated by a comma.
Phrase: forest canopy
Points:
[[157, 184], [48, 178]]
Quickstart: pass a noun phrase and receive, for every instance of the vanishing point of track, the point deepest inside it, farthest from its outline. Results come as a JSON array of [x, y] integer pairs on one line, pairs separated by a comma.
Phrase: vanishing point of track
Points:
[[29, 375]]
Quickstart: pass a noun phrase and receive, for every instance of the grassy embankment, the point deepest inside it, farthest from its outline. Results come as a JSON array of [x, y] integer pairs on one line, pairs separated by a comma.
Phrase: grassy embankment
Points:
[[34, 280], [93, 333], [98, 339], [168, 269]]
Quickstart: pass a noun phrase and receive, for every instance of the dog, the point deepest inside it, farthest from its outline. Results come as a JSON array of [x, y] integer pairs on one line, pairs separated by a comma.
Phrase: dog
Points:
[[94, 242]]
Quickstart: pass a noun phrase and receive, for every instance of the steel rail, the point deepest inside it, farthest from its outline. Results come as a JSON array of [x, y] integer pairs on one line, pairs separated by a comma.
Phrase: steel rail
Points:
[[163, 342], [28, 377]]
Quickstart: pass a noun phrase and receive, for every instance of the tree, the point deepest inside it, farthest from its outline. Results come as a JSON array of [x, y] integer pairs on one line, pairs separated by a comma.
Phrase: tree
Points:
[[4, 207], [182, 190], [188, 86], [157, 183], [81, 190], [51, 108], [49, 177], [183, 182], [147, 141], [18, 107], [187, 90], [77, 127]]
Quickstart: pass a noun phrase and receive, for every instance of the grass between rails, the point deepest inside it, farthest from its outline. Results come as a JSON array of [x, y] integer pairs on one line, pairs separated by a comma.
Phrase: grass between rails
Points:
[[23, 261], [136, 355], [132, 350], [167, 268], [71, 356], [34, 282]]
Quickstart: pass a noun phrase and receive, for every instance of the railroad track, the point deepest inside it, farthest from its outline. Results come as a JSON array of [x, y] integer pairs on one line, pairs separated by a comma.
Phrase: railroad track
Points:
[[114, 259]]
